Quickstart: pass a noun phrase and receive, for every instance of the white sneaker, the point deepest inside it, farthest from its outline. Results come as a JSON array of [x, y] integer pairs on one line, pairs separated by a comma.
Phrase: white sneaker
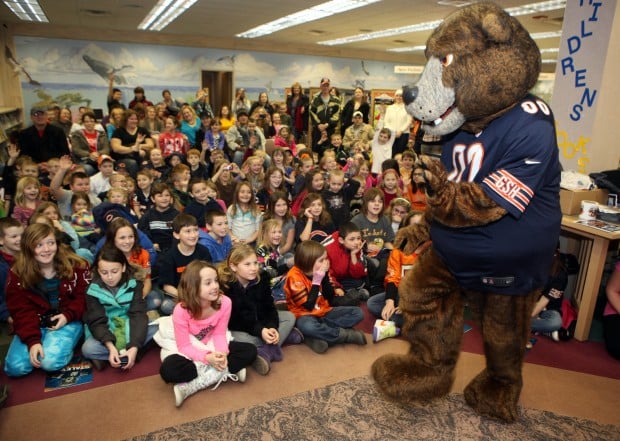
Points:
[[555, 335], [241, 375]]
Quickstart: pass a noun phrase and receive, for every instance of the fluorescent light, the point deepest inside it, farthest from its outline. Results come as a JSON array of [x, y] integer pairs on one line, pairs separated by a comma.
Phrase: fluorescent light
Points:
[[164, 13], [27, 10], [550, 50], [535, 8], [548, 61], [543, 35], [407, 49], [383, 33], [311, 14], [426, 26]]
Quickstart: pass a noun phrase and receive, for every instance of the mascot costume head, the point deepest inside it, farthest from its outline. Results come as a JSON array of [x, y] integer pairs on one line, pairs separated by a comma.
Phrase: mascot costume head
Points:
[[493, 207]]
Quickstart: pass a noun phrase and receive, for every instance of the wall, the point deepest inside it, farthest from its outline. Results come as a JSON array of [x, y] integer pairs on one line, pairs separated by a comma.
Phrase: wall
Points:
[[67, 78]]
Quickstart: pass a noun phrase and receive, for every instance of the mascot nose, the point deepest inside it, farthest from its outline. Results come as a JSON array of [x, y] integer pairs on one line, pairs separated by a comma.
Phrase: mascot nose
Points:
[[410, 94]]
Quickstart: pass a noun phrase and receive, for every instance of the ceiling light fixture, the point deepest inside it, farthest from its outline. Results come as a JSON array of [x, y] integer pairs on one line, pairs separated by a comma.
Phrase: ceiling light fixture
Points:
[[407, 49], [27, 10], [164, 13], [311, 14], [426, 26], [543, 35]]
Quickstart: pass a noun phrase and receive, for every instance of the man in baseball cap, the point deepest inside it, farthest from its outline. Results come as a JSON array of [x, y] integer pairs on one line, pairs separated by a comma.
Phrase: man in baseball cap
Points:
[[42, 141], [324, 114]]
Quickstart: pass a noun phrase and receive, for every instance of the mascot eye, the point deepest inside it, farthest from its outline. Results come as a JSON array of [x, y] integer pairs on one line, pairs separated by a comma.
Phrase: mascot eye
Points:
[[447, 60]]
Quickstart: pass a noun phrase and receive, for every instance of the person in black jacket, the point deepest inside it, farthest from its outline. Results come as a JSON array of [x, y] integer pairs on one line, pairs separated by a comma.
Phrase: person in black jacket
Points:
[[254, 318], [42, 141]]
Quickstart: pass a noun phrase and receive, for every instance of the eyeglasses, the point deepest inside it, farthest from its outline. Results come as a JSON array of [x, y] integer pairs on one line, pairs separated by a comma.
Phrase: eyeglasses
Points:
[[399, 211], [38, 113]]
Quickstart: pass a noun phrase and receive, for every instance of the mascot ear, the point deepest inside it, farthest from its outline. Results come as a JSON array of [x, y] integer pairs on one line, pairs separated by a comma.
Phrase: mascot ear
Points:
[[496, 28]]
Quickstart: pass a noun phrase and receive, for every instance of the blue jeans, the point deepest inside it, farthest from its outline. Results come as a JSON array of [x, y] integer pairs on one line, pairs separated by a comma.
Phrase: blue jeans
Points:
[[57, 345], [287, 322], [167, 305], [93, 349], [547, 321], [154, 300], [375, 305], [328, 327]]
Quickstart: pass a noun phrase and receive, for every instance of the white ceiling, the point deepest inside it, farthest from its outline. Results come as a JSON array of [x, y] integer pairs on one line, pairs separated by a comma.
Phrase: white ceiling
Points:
[[220, 20]]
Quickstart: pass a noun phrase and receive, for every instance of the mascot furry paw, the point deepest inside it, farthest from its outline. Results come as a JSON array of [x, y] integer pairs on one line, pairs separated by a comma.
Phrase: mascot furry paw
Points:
[[494, 209]]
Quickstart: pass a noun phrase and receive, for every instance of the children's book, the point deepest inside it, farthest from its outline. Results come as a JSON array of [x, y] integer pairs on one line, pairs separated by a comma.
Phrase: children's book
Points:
[[78, 371]]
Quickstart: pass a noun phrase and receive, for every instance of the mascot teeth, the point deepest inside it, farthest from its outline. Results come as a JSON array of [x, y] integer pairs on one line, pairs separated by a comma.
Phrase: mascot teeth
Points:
[[442, 117]]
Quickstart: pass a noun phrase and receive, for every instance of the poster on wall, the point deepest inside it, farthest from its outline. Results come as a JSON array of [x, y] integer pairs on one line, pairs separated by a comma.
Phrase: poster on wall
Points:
[[379, 100]]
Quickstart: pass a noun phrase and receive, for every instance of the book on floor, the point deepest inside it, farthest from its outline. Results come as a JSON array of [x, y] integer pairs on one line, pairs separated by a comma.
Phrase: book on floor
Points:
[[78, 371]]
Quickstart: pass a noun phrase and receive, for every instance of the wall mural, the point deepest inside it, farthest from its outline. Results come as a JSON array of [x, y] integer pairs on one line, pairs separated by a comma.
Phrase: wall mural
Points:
[[74, 72]]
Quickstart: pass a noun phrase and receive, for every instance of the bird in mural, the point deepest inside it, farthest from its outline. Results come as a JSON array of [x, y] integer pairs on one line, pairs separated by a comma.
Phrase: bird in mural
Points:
[[17, 67], [359, 83], [269, 87], [364, 69], [228, 59], [104, 69]]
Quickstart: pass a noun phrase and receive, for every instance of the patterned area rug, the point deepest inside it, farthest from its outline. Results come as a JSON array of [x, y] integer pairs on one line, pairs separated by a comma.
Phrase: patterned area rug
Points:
[[354, 410]]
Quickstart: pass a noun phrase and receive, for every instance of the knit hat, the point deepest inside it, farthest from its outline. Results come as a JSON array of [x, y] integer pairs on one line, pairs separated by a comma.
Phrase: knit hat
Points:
[[357, 113]]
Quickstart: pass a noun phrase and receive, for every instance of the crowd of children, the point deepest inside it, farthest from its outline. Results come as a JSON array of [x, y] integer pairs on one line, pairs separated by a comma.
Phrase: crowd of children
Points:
[[237, 252]]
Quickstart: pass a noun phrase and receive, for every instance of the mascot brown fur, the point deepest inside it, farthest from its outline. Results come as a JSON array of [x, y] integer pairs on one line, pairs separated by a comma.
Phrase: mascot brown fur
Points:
[[493, 207]]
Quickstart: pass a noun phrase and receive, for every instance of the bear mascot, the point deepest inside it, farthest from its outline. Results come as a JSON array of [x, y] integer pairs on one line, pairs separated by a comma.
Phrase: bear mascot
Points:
[[493, 208]]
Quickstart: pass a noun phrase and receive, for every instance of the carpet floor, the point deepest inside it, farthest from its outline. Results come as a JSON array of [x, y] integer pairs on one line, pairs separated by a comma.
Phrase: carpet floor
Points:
[[355, 410]]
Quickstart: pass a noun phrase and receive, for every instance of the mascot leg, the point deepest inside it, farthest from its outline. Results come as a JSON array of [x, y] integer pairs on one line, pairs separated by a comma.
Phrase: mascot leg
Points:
[[432, 306], [505, 325]]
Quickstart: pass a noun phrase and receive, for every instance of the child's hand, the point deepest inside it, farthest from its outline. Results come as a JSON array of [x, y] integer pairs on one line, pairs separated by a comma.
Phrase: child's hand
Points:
[[131, 354], [218, 360], [308, 214], [65, 162], [339, 292], [13, 151], [270, 336]]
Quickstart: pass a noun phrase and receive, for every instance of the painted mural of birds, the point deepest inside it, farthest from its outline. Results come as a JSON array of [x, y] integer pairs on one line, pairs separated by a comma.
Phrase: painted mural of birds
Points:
[[228, 59], [103, 69], [17, 67], [364, 69]]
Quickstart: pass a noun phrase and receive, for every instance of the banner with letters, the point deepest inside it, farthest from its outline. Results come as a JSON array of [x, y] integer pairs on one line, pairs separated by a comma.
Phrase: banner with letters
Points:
[[579, 71]]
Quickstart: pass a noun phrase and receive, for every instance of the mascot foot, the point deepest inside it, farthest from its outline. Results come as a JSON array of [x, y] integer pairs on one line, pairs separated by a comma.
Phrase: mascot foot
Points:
[[493, 398], [402, 379]]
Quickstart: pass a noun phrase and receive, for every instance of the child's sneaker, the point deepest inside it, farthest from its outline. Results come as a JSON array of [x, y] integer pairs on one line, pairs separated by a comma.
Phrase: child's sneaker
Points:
[[555, 335]]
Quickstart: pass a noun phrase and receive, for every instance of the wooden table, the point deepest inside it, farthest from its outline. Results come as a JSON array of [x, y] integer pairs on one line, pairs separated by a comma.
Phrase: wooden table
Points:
[[592, 253]]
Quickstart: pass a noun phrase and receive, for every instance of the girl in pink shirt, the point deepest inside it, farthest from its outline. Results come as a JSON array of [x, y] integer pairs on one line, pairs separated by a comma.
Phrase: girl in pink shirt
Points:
[[203, 355]]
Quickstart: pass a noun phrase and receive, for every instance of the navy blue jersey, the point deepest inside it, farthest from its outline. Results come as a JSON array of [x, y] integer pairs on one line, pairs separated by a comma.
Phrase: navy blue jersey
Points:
[[515, 160]]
